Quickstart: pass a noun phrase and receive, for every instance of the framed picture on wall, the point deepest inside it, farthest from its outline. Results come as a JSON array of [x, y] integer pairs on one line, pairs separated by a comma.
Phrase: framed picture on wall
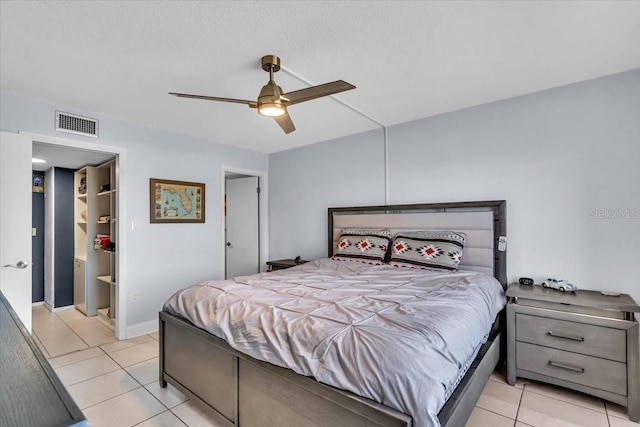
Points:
[[176, 201]]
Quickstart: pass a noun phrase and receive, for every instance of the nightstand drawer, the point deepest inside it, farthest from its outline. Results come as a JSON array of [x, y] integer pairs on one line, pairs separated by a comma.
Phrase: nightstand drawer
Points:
[[581, 338], [577, 368]]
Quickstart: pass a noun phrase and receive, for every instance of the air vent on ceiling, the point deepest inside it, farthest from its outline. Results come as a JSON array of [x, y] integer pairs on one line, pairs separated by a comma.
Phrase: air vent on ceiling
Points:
[[76, 124]]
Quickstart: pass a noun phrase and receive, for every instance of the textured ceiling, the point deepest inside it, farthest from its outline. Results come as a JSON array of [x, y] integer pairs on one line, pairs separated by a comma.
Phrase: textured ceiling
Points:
[[408, 59]]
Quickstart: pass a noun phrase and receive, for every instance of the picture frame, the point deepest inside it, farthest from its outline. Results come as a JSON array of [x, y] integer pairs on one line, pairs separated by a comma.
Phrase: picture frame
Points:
[[176, 201]]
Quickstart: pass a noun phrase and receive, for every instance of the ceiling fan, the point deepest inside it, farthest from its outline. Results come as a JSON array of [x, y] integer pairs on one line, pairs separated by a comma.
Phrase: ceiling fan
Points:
[[272, 102]]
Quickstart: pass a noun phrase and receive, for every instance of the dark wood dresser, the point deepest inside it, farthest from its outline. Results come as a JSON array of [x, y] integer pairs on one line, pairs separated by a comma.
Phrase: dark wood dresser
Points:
[[31, 394]]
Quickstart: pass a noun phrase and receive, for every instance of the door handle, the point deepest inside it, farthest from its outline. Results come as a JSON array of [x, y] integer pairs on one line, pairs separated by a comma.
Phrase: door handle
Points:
[[229, 244], [20, 265]]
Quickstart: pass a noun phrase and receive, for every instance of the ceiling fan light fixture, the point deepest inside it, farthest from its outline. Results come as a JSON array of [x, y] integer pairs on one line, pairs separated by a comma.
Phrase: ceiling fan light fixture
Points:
[[272, 109], [272, 101]]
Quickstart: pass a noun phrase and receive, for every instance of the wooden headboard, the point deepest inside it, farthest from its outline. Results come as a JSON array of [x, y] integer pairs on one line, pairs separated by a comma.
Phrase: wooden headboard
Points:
[[484, 223]]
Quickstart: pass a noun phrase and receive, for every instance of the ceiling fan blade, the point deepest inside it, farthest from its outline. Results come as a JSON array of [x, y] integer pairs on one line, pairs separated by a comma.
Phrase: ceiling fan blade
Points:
[[319, 91], [285, 123], [213, 98]]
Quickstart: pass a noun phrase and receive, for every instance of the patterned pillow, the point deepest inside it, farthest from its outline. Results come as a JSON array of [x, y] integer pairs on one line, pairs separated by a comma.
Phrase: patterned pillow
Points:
[[368, 246], [428, 249]]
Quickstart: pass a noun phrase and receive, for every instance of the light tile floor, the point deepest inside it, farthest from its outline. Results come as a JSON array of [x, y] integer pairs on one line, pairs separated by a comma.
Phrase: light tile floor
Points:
[[115, 383], [67, 331], [535, 404]]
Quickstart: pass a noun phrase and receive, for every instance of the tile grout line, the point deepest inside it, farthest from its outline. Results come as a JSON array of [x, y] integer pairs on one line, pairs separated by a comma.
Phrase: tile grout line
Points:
[[125, 367], [140, 385], [178, 416], [112, 397], [54, 315], [41, 346], [618, 416], [78, 335], [73, 330], [157, 415], [571, 403], [495, 413], [520, 402], [104, 373], [76, 361]]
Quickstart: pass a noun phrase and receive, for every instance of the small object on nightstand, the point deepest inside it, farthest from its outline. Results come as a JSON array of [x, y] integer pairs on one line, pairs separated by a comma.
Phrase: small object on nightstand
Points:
[[298, 260], [559, 284], [281, 264], [610, 294], [525, 281]]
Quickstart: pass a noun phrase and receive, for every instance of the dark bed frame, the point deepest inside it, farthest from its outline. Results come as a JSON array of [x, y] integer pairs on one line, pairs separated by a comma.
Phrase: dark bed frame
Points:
[[243, 391]]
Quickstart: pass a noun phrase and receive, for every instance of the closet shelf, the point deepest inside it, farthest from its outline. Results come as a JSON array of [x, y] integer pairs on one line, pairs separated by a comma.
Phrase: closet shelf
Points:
[[96, 207]]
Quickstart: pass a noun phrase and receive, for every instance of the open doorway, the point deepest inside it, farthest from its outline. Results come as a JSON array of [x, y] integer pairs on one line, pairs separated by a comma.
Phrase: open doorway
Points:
[[63, 227], [244, 210]]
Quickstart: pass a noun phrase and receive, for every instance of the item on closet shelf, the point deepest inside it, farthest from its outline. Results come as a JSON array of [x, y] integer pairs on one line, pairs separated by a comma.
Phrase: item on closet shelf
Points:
[[559, 284], [82, 189], [105, 187], [525, 281], [83, 214], [101, 241], [104, 218]]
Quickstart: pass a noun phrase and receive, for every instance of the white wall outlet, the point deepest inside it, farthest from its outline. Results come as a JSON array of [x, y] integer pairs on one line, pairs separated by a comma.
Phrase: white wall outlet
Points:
[[135, 226], [135, 297]]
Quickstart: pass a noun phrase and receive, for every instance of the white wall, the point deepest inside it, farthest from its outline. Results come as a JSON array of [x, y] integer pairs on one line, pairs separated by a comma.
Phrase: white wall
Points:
[[160, 258], [304, 182], [560, 158]]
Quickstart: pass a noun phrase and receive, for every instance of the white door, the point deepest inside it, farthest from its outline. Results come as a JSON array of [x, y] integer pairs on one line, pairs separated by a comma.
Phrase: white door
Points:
[[242, 227], [15, 223]]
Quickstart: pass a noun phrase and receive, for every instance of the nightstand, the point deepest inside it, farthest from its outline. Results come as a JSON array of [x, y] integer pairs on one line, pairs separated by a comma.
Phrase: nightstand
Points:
[[281, 264], [584, 341]]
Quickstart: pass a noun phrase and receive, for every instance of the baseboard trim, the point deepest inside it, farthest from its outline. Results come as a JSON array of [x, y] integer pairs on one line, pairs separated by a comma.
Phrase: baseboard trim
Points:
[[37, 304], [64, 308], [142, 328]]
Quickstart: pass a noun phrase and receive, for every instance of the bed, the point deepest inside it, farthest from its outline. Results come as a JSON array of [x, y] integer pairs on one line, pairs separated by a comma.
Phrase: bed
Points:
[[245, 391]]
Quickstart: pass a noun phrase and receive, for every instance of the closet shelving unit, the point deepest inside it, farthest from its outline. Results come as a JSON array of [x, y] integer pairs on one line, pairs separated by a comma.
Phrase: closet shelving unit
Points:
[[80, 240], [95, 266], [106, 274]]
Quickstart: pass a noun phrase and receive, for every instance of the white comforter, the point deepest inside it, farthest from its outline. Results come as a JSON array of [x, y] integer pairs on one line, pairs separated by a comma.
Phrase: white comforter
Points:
[[402, 337]]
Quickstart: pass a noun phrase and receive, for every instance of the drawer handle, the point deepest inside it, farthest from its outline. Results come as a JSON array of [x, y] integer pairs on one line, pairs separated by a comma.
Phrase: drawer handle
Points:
[[568, 367], [567, 337]]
